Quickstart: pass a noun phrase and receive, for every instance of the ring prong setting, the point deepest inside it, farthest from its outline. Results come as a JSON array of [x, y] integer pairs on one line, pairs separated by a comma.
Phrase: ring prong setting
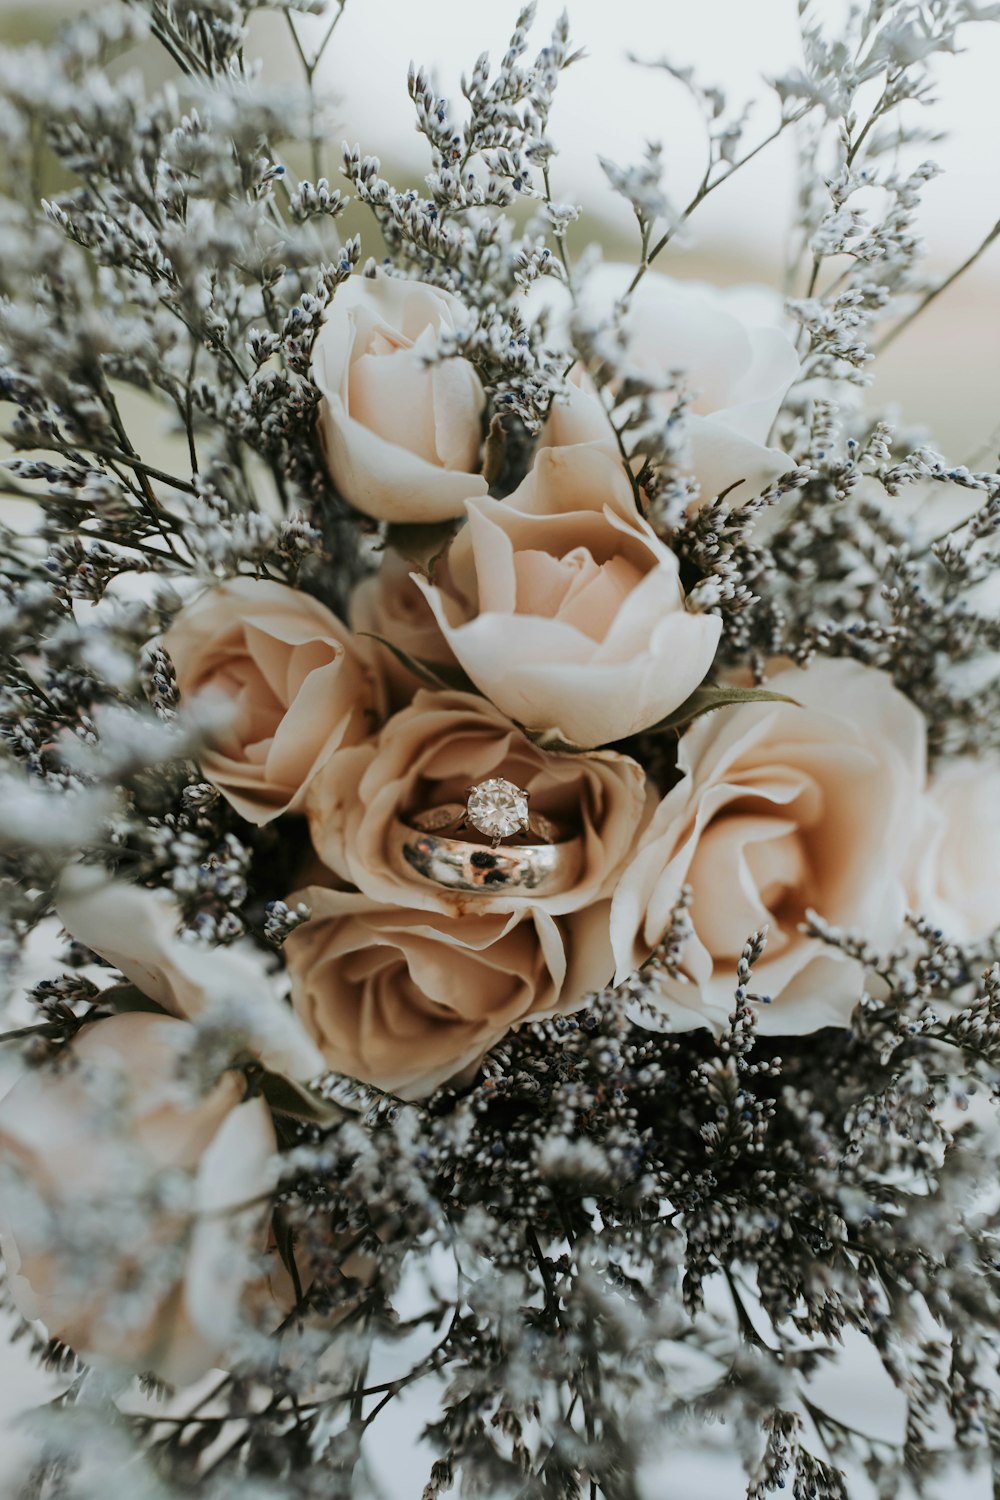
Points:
[[498, 809]]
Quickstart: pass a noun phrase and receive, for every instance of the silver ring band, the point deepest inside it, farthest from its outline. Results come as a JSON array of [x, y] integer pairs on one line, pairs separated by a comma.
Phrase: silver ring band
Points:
[[509, 869]]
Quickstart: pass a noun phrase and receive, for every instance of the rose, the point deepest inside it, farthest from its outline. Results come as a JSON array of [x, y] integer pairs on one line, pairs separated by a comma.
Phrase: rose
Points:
[[127, 1206], [297, 684], [566, 609], [780, 808], [955, 876], [428, 755], [737, 371], [388, 604], [405, 983], [400, 430], [407, 999], [137, 930]]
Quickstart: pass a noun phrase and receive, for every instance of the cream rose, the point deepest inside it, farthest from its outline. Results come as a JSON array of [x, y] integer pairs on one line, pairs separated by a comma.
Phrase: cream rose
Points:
[[781, 809], [137, 930], [407, 999], [389, 604], [298, 687], [401, 435], [110, 1155], [737, 371], [955, 877], [428, 755], [566, 609]]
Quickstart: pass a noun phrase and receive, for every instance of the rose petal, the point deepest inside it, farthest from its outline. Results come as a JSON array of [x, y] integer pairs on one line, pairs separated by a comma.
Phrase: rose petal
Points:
[[136, 930]]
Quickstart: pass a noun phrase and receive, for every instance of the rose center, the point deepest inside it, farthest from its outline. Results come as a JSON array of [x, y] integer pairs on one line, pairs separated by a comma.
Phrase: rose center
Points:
[[749, 869], [574, 588]]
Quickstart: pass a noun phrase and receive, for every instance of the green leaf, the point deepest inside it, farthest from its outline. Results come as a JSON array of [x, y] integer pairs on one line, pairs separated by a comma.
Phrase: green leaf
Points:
[[287, 1097], [552, 741], [128, 997], [286, 1250], [494, 450], [435, 674], [706, 699], [423, 546]]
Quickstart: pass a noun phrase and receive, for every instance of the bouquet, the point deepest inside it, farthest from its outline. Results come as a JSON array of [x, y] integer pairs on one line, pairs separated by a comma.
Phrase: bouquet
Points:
[[501, 791]]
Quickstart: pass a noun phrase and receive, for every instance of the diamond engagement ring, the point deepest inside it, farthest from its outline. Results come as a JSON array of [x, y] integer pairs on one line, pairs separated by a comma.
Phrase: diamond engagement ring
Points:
[[540, 863]]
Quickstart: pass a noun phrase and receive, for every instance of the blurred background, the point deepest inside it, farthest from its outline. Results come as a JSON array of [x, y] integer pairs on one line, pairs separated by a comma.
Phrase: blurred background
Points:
[[944, 372]]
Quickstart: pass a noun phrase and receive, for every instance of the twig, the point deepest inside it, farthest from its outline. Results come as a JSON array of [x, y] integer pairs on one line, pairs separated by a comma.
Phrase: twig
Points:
[[309, 68], [936, 291], [707, 186]]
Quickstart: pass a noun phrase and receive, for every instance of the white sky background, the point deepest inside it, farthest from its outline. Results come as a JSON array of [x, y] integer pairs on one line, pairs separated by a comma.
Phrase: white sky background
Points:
[[606, 104]]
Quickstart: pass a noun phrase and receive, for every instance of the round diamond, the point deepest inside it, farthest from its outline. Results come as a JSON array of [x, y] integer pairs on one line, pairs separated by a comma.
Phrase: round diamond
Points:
[[498, 808]]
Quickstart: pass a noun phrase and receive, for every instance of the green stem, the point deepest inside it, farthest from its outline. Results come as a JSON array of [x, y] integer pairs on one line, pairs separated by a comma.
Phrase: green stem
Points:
[[46, 1028]]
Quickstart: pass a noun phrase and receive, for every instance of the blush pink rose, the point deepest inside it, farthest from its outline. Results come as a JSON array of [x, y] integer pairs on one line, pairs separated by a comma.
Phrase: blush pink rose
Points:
[[297, 686], [428, 755], [161, 1188], [565, 608], [780, 809], [408, 999], [401, 434], [136, 930], [955, 876], [389, 604], [738, 368]]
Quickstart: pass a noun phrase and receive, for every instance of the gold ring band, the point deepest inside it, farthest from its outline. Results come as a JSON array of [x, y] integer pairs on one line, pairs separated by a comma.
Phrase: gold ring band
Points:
[[452, 816]]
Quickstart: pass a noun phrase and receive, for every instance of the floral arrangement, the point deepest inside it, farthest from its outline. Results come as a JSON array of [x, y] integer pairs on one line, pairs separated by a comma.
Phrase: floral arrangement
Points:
[[501, 792]]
